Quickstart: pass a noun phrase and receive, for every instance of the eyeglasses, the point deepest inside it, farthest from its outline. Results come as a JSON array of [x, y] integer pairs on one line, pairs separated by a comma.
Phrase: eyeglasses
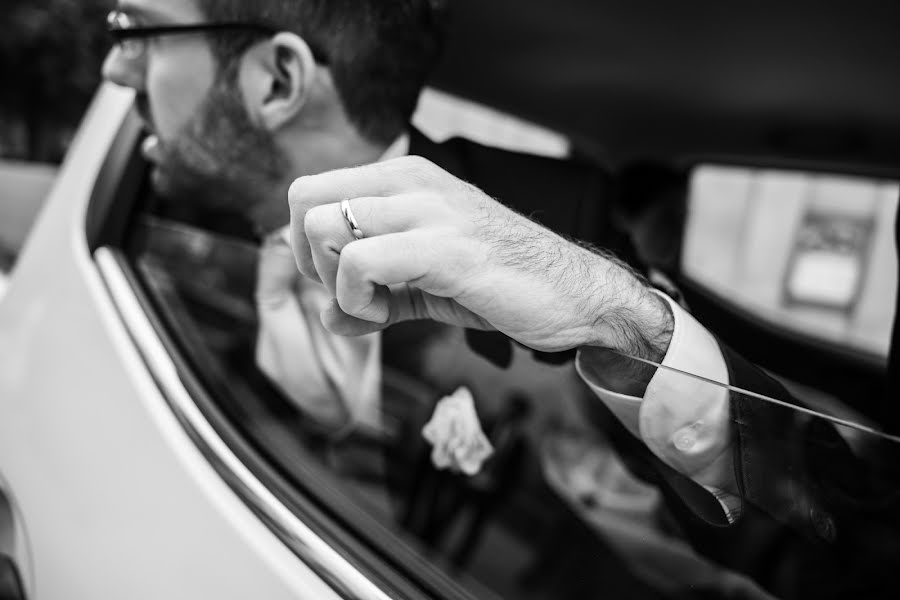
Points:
[[132, 38]]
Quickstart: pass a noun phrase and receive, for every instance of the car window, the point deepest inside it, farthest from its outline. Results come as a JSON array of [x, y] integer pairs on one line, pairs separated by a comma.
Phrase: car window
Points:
[[491, 535], [762, 487], [493, 532]]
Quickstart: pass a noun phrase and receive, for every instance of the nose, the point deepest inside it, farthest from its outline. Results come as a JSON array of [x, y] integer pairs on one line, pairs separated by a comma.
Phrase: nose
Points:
[[121, 71]]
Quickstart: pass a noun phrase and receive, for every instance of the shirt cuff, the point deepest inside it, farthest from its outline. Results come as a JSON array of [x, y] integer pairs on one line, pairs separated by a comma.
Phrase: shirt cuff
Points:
[[730, 503], [684, 420]]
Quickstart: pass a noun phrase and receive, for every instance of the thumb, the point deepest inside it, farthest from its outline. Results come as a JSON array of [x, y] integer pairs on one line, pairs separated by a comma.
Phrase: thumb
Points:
[[405, 305], [338, 322]]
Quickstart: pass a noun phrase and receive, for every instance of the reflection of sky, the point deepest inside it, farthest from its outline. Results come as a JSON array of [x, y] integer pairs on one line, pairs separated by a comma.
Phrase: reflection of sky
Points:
[[741, 237], [441, 116]]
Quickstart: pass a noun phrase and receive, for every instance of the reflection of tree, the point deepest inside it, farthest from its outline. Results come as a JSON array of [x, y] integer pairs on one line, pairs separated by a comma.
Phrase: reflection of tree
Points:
[[50, 57]]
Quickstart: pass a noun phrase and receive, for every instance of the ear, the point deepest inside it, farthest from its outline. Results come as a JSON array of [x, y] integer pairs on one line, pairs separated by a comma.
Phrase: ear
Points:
[[276, 78]]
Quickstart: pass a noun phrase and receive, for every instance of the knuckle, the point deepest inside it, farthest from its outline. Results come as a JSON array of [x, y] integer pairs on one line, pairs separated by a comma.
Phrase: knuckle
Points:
[[297, 192], [315, 223], [422, 169], [415, 161], [436, 204], [353, 262], [345, 300]]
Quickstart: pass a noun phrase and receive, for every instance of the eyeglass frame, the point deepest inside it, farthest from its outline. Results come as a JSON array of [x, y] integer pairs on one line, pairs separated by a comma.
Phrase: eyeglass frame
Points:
[[121, 34]]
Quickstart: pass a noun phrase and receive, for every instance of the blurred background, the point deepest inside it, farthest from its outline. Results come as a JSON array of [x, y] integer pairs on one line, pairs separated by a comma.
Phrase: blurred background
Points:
[[50, 57]]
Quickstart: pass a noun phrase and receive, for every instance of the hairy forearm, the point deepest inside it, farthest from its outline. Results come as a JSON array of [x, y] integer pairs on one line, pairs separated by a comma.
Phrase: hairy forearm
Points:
[[631, 322], [619, 312]]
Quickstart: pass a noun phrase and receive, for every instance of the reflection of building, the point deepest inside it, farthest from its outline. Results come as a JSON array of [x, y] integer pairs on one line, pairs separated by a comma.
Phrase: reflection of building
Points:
[[809, 252]]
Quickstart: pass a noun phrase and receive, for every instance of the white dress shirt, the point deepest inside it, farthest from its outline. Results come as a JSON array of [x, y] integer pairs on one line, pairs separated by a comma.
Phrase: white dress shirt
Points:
[[684, 420], [335, 380]]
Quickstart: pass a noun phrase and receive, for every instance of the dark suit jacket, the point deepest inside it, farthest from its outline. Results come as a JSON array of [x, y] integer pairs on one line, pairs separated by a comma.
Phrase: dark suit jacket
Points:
[[820, 517], [804, 474], [565, 195]]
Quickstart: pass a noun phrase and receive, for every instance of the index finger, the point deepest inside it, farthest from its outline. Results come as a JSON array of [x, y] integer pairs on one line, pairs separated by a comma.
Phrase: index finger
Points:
[[386, 178]]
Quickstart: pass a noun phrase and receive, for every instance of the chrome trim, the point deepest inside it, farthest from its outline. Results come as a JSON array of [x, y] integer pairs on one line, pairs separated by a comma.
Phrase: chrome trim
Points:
[[333, 568]]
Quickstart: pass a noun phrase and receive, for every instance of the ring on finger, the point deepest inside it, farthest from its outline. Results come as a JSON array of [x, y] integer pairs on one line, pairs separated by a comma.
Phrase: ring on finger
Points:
[[351, 221]]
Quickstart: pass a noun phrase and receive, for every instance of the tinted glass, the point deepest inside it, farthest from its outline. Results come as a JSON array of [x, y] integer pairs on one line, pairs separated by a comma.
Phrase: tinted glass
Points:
[[738, 484]]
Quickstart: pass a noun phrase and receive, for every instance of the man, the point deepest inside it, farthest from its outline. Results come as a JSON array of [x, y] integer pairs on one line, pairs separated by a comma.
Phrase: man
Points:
[[241, 97], [244, 94], [733, 465]]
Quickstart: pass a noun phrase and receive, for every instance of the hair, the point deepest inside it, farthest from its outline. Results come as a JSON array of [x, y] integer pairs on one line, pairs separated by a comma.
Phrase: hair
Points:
[[379, 51]]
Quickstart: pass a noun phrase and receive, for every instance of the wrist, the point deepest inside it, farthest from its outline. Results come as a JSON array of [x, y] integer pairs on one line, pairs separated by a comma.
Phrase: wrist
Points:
[[628, 316], [628, 331], [609, 370]]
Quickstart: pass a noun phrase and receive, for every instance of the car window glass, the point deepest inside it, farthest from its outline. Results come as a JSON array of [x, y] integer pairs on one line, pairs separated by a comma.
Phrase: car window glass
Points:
[[804, 494], [746, 487], [496, 533], [570, 504], [492, 534]]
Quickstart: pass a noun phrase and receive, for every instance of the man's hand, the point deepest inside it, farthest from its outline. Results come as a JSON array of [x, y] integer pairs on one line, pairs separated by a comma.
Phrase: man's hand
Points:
[[439, 248]]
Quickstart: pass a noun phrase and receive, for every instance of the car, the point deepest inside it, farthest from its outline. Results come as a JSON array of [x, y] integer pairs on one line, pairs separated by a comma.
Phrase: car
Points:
[[143, 455]]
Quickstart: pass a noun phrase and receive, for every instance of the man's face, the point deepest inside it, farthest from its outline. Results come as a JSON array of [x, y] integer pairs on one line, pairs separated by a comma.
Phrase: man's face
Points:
[[202, 144]]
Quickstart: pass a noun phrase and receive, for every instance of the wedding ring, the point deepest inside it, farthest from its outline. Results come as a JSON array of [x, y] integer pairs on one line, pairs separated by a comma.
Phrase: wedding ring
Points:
[[351, 220]]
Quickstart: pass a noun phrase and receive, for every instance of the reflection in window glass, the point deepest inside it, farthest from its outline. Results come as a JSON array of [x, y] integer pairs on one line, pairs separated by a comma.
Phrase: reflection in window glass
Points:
[[698, 491], [441, 116], [808, 251], [554, 513], [805, 502]]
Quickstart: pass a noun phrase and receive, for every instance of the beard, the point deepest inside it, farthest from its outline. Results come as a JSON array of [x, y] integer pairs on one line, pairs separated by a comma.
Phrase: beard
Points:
[[220, 167]]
